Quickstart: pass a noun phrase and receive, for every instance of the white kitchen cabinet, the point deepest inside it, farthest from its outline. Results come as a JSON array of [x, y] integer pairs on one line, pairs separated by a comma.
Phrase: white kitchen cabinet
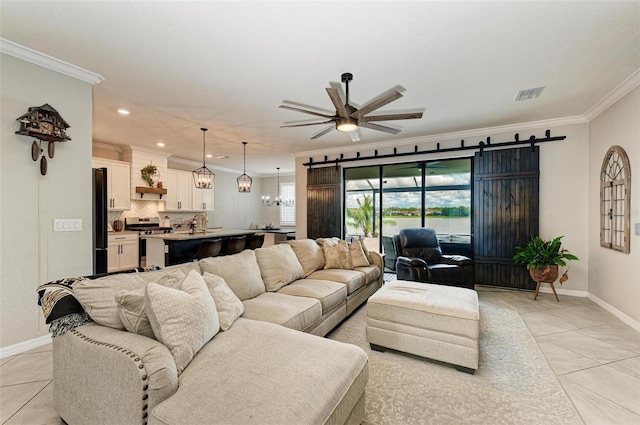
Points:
[[122, 253], [202, 199], [118, 183], [179, 186], [182, 194]]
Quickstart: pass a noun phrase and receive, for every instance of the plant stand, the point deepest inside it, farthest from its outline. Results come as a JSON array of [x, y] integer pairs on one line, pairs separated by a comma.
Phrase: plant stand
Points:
[[553, 288], [547, 274]]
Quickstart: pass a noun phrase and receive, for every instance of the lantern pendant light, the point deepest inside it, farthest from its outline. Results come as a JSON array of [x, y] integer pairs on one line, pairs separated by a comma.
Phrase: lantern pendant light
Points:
[[244, 181], [203, 177]]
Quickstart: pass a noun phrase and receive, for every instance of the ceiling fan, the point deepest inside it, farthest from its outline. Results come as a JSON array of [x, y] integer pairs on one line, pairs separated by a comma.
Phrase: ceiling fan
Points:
[[349, 119]]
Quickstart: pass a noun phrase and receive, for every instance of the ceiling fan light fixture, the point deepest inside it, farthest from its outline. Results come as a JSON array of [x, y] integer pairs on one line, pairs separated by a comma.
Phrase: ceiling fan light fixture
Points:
[[244, 181], [203, 177], [346, 124]]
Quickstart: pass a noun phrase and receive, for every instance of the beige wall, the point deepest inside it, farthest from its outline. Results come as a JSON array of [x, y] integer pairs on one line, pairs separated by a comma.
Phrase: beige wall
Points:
[[30, 252], [614, 277]]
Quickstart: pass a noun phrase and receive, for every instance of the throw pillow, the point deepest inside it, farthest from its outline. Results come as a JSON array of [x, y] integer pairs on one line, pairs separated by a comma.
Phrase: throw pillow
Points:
[[336, 255], [365, 250], [240, 271], [229, 306], [357, 255], [184, 319], [279, 266], [309, 255], [132, 312], [167, 277]]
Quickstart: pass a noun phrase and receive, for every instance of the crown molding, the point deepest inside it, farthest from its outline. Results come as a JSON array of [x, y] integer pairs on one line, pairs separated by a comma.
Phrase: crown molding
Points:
[[107, 147], [46, 61], [616, 94], [134, 148], [476, 132]]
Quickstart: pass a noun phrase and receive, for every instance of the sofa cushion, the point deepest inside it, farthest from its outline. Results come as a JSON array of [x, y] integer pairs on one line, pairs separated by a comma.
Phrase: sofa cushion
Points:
[[357, 255], [183, 319], [336, 255], [309, 255], [330, 294], [279, 266], [229, 306], [351, 278], [277, 376], [240, 271], [371, 273], [292, 312], [97, 296]]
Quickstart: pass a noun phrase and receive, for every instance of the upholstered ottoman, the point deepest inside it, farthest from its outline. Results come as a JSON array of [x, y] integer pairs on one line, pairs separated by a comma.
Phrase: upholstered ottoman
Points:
[[434, 321]]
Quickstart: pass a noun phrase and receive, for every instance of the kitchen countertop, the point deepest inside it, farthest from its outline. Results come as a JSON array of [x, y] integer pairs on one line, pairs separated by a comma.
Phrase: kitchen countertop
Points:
[[183, 235]]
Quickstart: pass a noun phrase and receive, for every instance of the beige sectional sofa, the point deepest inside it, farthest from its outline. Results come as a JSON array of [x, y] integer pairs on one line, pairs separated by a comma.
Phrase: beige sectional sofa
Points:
[[267, 366]]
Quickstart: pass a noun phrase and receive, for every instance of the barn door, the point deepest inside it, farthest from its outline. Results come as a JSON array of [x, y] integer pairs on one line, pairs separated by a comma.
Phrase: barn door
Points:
[[324, 196], [505, 214]]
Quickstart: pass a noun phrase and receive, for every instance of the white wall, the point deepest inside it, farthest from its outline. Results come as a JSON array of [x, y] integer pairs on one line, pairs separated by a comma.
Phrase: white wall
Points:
[[564, 191], [270, 188], [614, 277], [30, 252]]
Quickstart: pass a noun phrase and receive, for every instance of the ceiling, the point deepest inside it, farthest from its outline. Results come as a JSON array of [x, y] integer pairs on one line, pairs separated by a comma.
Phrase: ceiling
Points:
[[180, 66]]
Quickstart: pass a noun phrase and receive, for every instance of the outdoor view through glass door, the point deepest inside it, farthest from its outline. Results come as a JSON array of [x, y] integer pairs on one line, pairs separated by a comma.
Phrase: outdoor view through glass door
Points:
[[380, 200]]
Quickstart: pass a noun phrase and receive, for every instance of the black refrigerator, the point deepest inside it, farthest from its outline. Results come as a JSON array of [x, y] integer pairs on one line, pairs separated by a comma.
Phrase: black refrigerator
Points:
[[100, 239]]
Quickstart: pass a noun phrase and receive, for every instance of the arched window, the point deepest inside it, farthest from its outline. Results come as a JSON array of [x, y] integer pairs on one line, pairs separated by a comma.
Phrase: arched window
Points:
[[615, 202]]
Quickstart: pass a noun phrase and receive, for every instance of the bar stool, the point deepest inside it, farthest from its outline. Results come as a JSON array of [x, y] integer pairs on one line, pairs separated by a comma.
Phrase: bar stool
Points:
[[235, 244], [255, 241], [209, 248]]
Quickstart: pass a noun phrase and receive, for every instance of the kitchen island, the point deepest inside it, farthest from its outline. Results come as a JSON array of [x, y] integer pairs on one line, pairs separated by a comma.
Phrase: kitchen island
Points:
[[167, 249]]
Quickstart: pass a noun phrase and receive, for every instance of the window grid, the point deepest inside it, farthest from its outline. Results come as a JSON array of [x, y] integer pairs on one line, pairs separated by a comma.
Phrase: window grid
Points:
[[614, 200], [288, 214]]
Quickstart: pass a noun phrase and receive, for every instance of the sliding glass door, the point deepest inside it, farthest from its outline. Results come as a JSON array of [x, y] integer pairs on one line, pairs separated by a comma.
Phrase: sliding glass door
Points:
[[380, 200]]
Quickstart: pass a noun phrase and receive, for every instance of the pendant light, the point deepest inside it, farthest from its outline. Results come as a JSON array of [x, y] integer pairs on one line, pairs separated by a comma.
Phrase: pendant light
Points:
[[203, 177], [244, 181], [267, 202]]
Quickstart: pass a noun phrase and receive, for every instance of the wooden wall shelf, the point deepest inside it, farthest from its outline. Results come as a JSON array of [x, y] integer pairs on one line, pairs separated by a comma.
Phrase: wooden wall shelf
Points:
[[142, 190]]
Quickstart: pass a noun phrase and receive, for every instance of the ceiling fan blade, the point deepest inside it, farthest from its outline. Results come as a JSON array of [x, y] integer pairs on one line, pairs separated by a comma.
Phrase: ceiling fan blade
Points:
[[323, 132], [355, 135], [379, 127], [305, 111], [304, 125], [376, 103], [391, 117], [337, 102]]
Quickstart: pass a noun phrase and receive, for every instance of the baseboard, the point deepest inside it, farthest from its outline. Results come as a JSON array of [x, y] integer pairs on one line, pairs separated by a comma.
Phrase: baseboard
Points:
[[21, 347], [620, 315], [562, 291]]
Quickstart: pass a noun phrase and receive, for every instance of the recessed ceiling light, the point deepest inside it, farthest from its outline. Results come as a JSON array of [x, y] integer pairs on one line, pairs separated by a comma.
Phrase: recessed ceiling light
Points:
[[123, 112], [160, 144], [209, 155]]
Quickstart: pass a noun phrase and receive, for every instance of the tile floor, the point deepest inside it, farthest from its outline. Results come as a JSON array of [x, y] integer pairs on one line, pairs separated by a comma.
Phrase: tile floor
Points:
[[595, 356]]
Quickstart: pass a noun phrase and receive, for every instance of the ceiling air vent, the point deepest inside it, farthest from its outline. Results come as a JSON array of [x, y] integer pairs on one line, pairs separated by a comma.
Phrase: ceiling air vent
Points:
[[528, 94]]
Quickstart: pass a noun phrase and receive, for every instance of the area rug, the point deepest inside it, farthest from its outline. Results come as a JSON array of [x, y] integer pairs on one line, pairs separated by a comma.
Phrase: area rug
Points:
[[513, 385]]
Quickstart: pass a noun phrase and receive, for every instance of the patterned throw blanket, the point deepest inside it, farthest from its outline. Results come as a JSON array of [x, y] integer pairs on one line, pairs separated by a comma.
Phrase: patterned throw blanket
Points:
[[61, 309]]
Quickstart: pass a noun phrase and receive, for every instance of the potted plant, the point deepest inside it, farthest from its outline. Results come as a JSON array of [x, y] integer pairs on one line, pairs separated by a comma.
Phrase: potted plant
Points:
[[542, 258], [148, 172]]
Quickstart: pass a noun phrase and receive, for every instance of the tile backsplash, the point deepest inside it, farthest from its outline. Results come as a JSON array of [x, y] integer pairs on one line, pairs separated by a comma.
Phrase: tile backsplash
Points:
[[150, 209]]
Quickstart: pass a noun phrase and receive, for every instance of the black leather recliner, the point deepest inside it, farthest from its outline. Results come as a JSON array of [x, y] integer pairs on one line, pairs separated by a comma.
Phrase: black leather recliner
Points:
[[420, 259]]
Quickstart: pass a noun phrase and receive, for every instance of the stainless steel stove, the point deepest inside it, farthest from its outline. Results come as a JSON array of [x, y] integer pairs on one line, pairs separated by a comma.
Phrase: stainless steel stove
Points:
[[145, 225]]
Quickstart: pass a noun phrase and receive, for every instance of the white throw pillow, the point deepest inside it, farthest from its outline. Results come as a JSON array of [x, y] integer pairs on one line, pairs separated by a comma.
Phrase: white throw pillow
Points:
[[240, 271], [357, 255], [229, 306], [279, 266], [184, 319], [132, 312]]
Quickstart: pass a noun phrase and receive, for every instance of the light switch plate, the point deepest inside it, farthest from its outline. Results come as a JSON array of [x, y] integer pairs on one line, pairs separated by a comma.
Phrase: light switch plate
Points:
[[637, 229], [67, 225]]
